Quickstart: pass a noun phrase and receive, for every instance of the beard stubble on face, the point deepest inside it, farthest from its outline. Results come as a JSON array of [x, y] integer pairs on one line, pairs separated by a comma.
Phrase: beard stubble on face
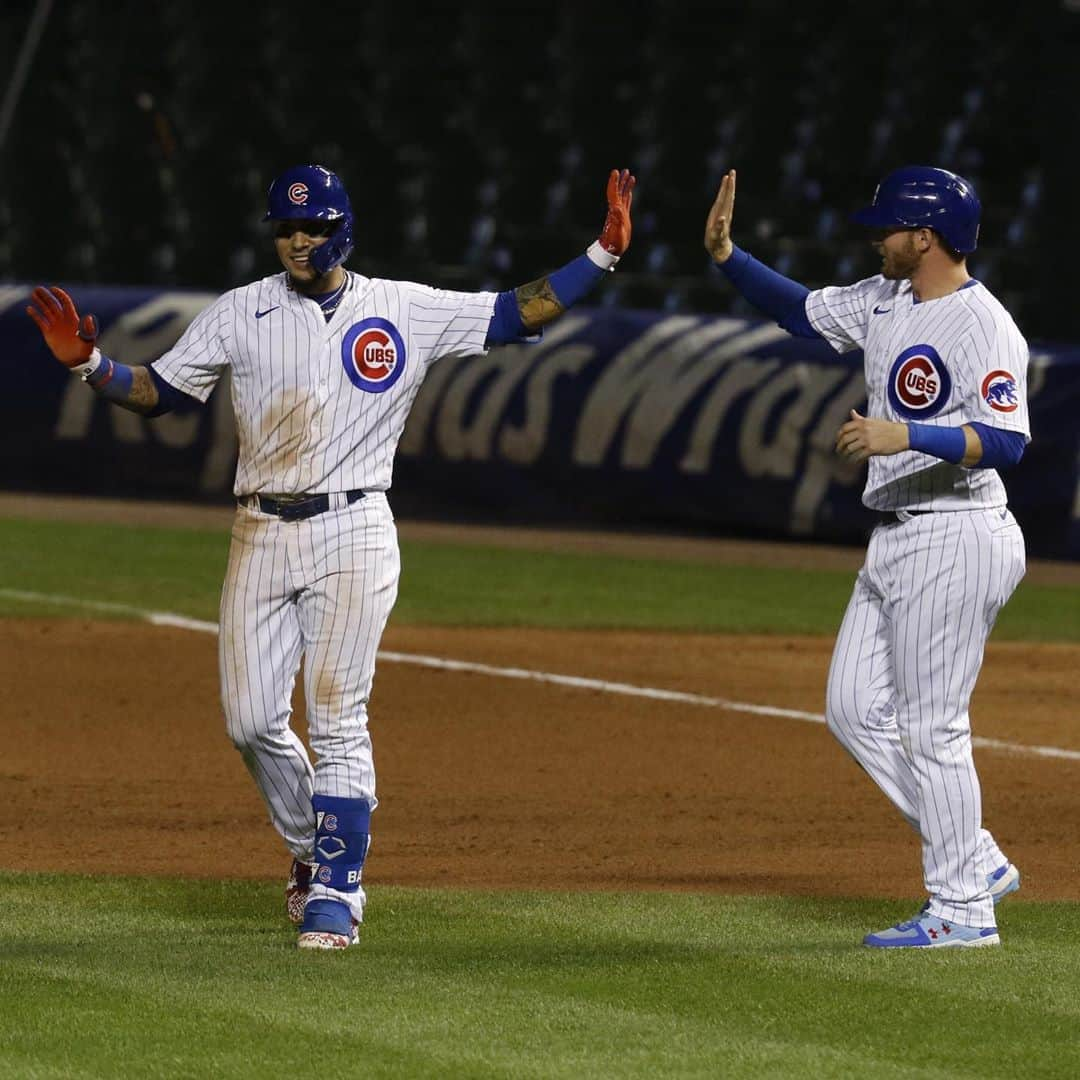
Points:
[[902, 263]]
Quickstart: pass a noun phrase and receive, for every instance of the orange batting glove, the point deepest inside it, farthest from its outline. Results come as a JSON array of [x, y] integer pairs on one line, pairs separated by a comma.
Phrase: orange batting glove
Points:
[[615, 237], [70, 338]]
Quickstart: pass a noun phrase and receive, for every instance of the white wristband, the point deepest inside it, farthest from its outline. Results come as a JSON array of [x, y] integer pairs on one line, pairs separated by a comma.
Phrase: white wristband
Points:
[[599, 257], [84, 371]]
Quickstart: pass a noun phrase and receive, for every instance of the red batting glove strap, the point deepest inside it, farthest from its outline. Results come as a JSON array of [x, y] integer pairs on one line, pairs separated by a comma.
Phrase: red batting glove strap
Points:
[[70, 338], [615, 237]]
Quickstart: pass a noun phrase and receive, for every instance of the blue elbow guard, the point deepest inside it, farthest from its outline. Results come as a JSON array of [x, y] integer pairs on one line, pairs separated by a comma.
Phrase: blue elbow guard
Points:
[[947, 443]]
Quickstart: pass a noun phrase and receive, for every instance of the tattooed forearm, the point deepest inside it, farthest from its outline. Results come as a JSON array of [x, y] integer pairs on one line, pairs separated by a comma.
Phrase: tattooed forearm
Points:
[[538, 304], [143, 395]]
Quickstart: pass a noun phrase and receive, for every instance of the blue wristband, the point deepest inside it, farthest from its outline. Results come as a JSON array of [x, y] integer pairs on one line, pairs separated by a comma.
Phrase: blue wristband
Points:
[[111, 380], [947, 443]]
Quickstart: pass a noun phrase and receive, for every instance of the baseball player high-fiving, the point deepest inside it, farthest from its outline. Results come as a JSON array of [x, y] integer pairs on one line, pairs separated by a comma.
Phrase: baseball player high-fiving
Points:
[[946, 372], [325, 364]]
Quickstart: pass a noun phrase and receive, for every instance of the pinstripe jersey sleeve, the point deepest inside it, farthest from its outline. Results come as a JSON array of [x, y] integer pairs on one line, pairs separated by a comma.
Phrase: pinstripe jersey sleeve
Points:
[[195, 363], [997, 361], [445, 323], [840, 313]]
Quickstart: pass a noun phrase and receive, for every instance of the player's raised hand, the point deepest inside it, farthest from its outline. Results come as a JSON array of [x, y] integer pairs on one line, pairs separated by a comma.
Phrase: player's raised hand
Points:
[[718, 225], [615, 237], [70, 338]]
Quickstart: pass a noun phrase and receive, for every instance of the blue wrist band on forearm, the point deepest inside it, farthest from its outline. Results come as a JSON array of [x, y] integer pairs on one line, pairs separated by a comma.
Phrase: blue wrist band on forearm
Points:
[[1000, 448], [111, 380], [947, 443], [574, 280], [779, 297]]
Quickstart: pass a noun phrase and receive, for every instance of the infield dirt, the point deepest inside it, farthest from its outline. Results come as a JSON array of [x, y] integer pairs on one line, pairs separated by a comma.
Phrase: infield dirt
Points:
[[484, 782]]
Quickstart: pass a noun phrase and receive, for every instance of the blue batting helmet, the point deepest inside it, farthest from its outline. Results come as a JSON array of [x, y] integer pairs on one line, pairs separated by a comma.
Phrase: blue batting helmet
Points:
[[312, 193], [919, 197]]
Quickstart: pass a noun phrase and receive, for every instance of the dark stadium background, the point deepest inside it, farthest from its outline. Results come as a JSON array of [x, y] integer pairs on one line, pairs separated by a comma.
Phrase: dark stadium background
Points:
[[475, 138], [137, 142]]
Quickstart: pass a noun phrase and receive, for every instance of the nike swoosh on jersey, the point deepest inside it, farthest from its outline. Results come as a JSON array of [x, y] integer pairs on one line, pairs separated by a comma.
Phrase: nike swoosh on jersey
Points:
[[881, 310], [260, 314]]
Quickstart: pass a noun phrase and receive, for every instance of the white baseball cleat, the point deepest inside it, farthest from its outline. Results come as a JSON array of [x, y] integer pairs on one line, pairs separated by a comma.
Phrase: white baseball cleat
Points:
[[296, 890]]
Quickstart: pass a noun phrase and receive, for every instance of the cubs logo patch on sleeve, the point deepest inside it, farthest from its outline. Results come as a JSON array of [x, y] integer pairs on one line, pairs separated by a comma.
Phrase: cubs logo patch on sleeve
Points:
[[373, 354], [999, 391], [919, 384]]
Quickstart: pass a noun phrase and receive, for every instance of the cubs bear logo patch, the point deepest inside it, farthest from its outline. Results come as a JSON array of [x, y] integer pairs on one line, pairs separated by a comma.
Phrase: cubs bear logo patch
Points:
[[919, 383], [999, 391], [373, 354]]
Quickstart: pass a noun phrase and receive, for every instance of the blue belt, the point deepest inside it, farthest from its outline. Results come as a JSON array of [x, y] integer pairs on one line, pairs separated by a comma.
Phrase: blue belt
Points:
[[298, 509]]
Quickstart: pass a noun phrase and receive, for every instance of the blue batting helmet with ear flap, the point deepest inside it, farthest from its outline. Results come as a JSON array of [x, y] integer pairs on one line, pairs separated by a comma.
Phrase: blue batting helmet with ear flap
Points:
[[312, 193], [919, 197]]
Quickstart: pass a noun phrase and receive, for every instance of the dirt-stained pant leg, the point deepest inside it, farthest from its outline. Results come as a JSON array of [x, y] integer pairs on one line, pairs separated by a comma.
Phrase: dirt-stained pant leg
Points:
[[259, 652], [351, 563], [905, 663]]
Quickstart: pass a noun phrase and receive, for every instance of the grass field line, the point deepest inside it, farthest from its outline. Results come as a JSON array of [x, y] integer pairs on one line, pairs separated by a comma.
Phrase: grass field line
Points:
[[168, 618]]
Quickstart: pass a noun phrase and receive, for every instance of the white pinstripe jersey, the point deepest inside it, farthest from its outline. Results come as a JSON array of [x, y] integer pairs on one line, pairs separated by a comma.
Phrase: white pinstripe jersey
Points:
[[320, 405], [951, 361]]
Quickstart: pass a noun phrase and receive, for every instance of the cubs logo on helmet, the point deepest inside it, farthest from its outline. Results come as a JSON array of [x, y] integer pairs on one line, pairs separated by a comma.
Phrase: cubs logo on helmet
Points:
[[999, 391], [373, 354], [313, 193], [919, 383]]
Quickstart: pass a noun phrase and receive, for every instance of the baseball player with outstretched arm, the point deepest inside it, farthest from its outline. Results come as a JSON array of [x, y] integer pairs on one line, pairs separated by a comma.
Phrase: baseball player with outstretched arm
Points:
[[946, 372], [325, 364]]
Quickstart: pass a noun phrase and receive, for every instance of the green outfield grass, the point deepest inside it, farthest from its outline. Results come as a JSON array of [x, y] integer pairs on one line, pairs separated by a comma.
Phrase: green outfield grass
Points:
[[168, 978], [453, 584]]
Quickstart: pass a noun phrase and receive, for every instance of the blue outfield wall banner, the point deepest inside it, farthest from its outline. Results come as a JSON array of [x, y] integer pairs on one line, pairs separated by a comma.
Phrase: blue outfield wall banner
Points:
[[626, 418]]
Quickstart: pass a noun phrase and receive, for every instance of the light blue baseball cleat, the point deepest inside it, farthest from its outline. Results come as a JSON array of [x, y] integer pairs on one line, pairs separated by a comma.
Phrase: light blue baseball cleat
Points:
[[1004, 880], [930, 932]]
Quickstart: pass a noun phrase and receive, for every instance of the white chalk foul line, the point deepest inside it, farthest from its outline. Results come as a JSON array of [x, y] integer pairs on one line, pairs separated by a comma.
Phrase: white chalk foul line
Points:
[[167, 618], [158, 618]]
